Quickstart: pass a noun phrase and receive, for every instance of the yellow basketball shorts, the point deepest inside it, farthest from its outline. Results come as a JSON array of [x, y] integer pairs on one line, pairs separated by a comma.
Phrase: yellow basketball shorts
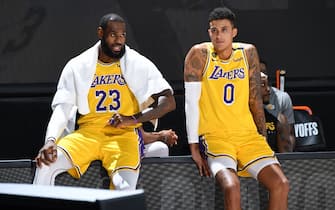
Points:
[[245, 149], [121, 150]]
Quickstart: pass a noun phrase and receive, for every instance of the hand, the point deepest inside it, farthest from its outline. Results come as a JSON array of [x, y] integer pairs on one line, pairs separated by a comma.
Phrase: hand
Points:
[[200, 161], [47, 154], [121, 121], [169, 137]]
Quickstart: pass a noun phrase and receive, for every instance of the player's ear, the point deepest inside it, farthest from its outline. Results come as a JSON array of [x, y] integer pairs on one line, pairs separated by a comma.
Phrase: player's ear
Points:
[[235, 32], [100, 32]]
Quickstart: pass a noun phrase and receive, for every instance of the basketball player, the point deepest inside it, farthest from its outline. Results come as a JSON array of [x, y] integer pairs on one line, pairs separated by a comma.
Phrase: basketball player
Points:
[[277, 101], [108, 85], [277, 126], [277, 132], [223, 106]]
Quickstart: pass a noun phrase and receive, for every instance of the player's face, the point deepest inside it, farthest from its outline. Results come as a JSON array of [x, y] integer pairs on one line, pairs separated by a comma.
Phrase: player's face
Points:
[[114, 39], [265, 90], [222, 33], [262, 67]]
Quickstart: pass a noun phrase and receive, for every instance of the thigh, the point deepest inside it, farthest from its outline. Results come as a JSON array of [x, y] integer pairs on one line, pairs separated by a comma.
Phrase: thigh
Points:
[[122, 151], [217, 164], [252, 152], [218, 146], [81, 147]]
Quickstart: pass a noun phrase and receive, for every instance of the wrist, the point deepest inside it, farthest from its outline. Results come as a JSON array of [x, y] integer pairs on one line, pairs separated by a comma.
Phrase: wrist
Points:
[[134, 119], [53, 139], [163, 138]]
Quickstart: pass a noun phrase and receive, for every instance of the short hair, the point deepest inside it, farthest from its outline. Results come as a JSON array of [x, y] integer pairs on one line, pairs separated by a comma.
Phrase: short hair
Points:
[[265, 65], [263, 61], [222, 13], [110, 17]]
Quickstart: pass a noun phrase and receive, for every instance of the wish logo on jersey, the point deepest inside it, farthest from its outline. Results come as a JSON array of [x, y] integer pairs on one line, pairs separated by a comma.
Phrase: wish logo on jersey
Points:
[[219, 73], [108, 79]]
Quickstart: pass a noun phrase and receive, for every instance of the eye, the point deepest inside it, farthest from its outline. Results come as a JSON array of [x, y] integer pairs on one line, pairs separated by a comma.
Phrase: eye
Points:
[[115, 35], [213, 30], [123, 35]]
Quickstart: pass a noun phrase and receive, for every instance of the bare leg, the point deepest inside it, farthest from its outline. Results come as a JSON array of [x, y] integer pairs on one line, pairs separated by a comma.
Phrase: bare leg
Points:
[[230, 185], [273, 178]]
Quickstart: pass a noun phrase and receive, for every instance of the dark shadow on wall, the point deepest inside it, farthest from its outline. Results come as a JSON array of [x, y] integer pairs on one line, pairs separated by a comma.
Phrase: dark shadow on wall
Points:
[[20, 33]]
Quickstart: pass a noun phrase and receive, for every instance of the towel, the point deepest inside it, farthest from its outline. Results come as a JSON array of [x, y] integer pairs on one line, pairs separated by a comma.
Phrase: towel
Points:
[[141, 75]]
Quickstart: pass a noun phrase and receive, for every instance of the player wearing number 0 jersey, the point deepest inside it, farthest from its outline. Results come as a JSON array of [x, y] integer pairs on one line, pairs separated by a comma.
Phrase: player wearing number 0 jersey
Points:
[[224, 99], [223, 105]]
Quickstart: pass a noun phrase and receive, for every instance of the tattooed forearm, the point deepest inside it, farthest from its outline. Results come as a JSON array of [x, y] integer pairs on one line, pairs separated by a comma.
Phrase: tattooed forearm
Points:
[[255, 98], [283, 142], [194, 64], [253, 59]]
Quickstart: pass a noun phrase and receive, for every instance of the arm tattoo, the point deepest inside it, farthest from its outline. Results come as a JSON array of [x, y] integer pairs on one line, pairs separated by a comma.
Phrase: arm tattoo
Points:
[[255, 98], [194, 64]]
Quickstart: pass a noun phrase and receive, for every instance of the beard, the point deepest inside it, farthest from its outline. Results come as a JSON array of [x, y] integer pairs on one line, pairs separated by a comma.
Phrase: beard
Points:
[[110, 53]]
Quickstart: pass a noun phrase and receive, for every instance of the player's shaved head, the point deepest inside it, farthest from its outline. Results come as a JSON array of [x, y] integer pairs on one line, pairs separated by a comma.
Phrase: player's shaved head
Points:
[[110, 17]]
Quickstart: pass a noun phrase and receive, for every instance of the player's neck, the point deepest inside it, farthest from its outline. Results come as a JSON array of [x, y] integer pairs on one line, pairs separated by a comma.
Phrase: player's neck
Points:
[[225, 54]]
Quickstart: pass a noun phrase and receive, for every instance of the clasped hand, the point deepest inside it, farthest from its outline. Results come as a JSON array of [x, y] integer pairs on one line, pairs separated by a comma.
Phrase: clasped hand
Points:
[[120, 121]]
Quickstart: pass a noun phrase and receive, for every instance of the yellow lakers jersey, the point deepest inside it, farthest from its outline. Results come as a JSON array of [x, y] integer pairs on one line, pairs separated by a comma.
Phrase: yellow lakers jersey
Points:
[[224, 100], [108, 94]]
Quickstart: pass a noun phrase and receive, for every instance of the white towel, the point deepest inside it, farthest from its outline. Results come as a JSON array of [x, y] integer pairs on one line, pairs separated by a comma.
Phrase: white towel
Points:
[[142, 77]]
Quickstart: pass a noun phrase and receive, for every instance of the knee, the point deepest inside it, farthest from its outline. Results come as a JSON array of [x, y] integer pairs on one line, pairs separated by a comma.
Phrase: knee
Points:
[[281, 185], [228, 181], [232, 187], [285, 185], [124, 180], [156, 149]]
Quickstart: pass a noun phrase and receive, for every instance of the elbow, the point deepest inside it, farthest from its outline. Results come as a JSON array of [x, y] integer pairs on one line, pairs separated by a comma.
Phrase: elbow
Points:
[[171, 105], [166, 103]]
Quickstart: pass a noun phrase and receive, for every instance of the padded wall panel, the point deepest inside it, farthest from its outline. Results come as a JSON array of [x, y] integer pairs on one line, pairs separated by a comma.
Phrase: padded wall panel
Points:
[[174, 183], [16, 171]]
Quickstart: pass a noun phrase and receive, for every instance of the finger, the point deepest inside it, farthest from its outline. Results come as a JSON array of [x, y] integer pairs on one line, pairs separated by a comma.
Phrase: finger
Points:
[[54, 154], [207, 171], [111, 121], [200, 168], [47, 156], [118, 123], [44, 161], [43, 158], [201, 171], [38, 161]]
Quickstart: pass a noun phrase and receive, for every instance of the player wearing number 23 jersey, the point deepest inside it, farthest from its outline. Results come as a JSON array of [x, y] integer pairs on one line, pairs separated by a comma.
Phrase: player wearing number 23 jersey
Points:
[[108, 90], [108, 93]]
